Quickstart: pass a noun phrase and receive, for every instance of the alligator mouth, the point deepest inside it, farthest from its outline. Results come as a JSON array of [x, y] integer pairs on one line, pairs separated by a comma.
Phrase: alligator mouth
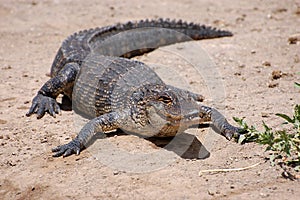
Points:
[[191, 118]]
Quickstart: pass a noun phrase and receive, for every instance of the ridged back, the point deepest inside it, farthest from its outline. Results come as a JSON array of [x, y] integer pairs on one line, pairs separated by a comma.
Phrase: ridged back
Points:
[[105, 83], [136, 38], [130, 39]]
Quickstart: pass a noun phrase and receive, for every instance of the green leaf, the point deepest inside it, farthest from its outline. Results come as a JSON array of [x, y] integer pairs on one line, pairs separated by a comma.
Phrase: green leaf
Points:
[[238, 120], [297, 111], [267, 129], [272, 159], [283, 145], [241, 139], [297, 168], [297, 84], [241, 122], [287, 118], [268, 148], [266, 138]]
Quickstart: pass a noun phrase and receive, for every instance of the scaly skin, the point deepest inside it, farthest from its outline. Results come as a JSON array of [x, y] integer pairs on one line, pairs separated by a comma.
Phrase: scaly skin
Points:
[[137, 38], [116, 92]]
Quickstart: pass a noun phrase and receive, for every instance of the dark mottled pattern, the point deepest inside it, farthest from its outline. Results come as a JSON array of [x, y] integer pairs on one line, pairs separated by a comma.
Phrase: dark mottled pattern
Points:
[[116, 92]]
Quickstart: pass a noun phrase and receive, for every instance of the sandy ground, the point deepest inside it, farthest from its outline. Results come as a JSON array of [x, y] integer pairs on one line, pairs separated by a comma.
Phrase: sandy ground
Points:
[[31, 33]]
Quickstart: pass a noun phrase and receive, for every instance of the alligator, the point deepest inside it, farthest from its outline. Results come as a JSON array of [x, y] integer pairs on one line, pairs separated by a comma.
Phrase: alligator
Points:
[[94, 71]]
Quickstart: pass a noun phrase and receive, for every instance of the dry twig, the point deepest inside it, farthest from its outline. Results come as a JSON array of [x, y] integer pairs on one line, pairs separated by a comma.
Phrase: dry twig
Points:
[[228, 170]]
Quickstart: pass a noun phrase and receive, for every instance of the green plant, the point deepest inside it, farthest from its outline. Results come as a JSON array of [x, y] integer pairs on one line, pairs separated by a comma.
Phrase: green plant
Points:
[[283, 145], [297, 84]]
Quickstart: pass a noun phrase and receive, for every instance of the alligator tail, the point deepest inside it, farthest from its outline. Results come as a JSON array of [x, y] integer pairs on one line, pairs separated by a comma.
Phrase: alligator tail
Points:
[[136, 38]]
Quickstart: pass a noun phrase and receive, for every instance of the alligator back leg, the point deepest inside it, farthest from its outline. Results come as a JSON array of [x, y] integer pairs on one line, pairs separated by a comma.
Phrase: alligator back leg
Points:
[[45, 101], [101, 124]]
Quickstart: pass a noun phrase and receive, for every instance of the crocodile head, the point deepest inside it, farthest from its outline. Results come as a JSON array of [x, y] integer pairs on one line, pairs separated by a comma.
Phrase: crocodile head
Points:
[[166, 110]]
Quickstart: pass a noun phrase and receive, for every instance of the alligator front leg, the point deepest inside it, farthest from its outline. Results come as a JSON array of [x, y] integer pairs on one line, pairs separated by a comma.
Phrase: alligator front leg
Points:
[[106, 122], [45, 101], [220, 124]]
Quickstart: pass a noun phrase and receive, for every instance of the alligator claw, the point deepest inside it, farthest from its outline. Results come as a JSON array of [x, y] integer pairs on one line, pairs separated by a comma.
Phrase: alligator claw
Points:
[[231, 132], [65, 150], [42, 104]]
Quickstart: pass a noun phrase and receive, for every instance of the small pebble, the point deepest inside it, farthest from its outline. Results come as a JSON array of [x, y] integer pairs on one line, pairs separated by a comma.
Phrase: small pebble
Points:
[[116, 173], [273, 85], [242, 66], [280, 10], [266, 63], [297, 12], [276, 74], [263, 114], [3, 121], [294, 39], [44, 140], [269, 16], [212, 193], [263, 195], [7, 67]]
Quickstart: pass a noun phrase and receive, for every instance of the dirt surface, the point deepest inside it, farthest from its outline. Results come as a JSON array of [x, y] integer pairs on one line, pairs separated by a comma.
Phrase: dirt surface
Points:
[[256, 67]]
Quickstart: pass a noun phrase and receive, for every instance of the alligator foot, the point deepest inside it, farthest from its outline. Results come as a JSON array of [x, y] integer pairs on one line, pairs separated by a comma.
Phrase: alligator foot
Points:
[[230, 132], [65, 150], [42, 104]]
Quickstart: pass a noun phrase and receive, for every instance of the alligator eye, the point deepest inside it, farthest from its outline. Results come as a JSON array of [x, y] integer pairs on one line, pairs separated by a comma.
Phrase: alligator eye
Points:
[[165, 99]]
